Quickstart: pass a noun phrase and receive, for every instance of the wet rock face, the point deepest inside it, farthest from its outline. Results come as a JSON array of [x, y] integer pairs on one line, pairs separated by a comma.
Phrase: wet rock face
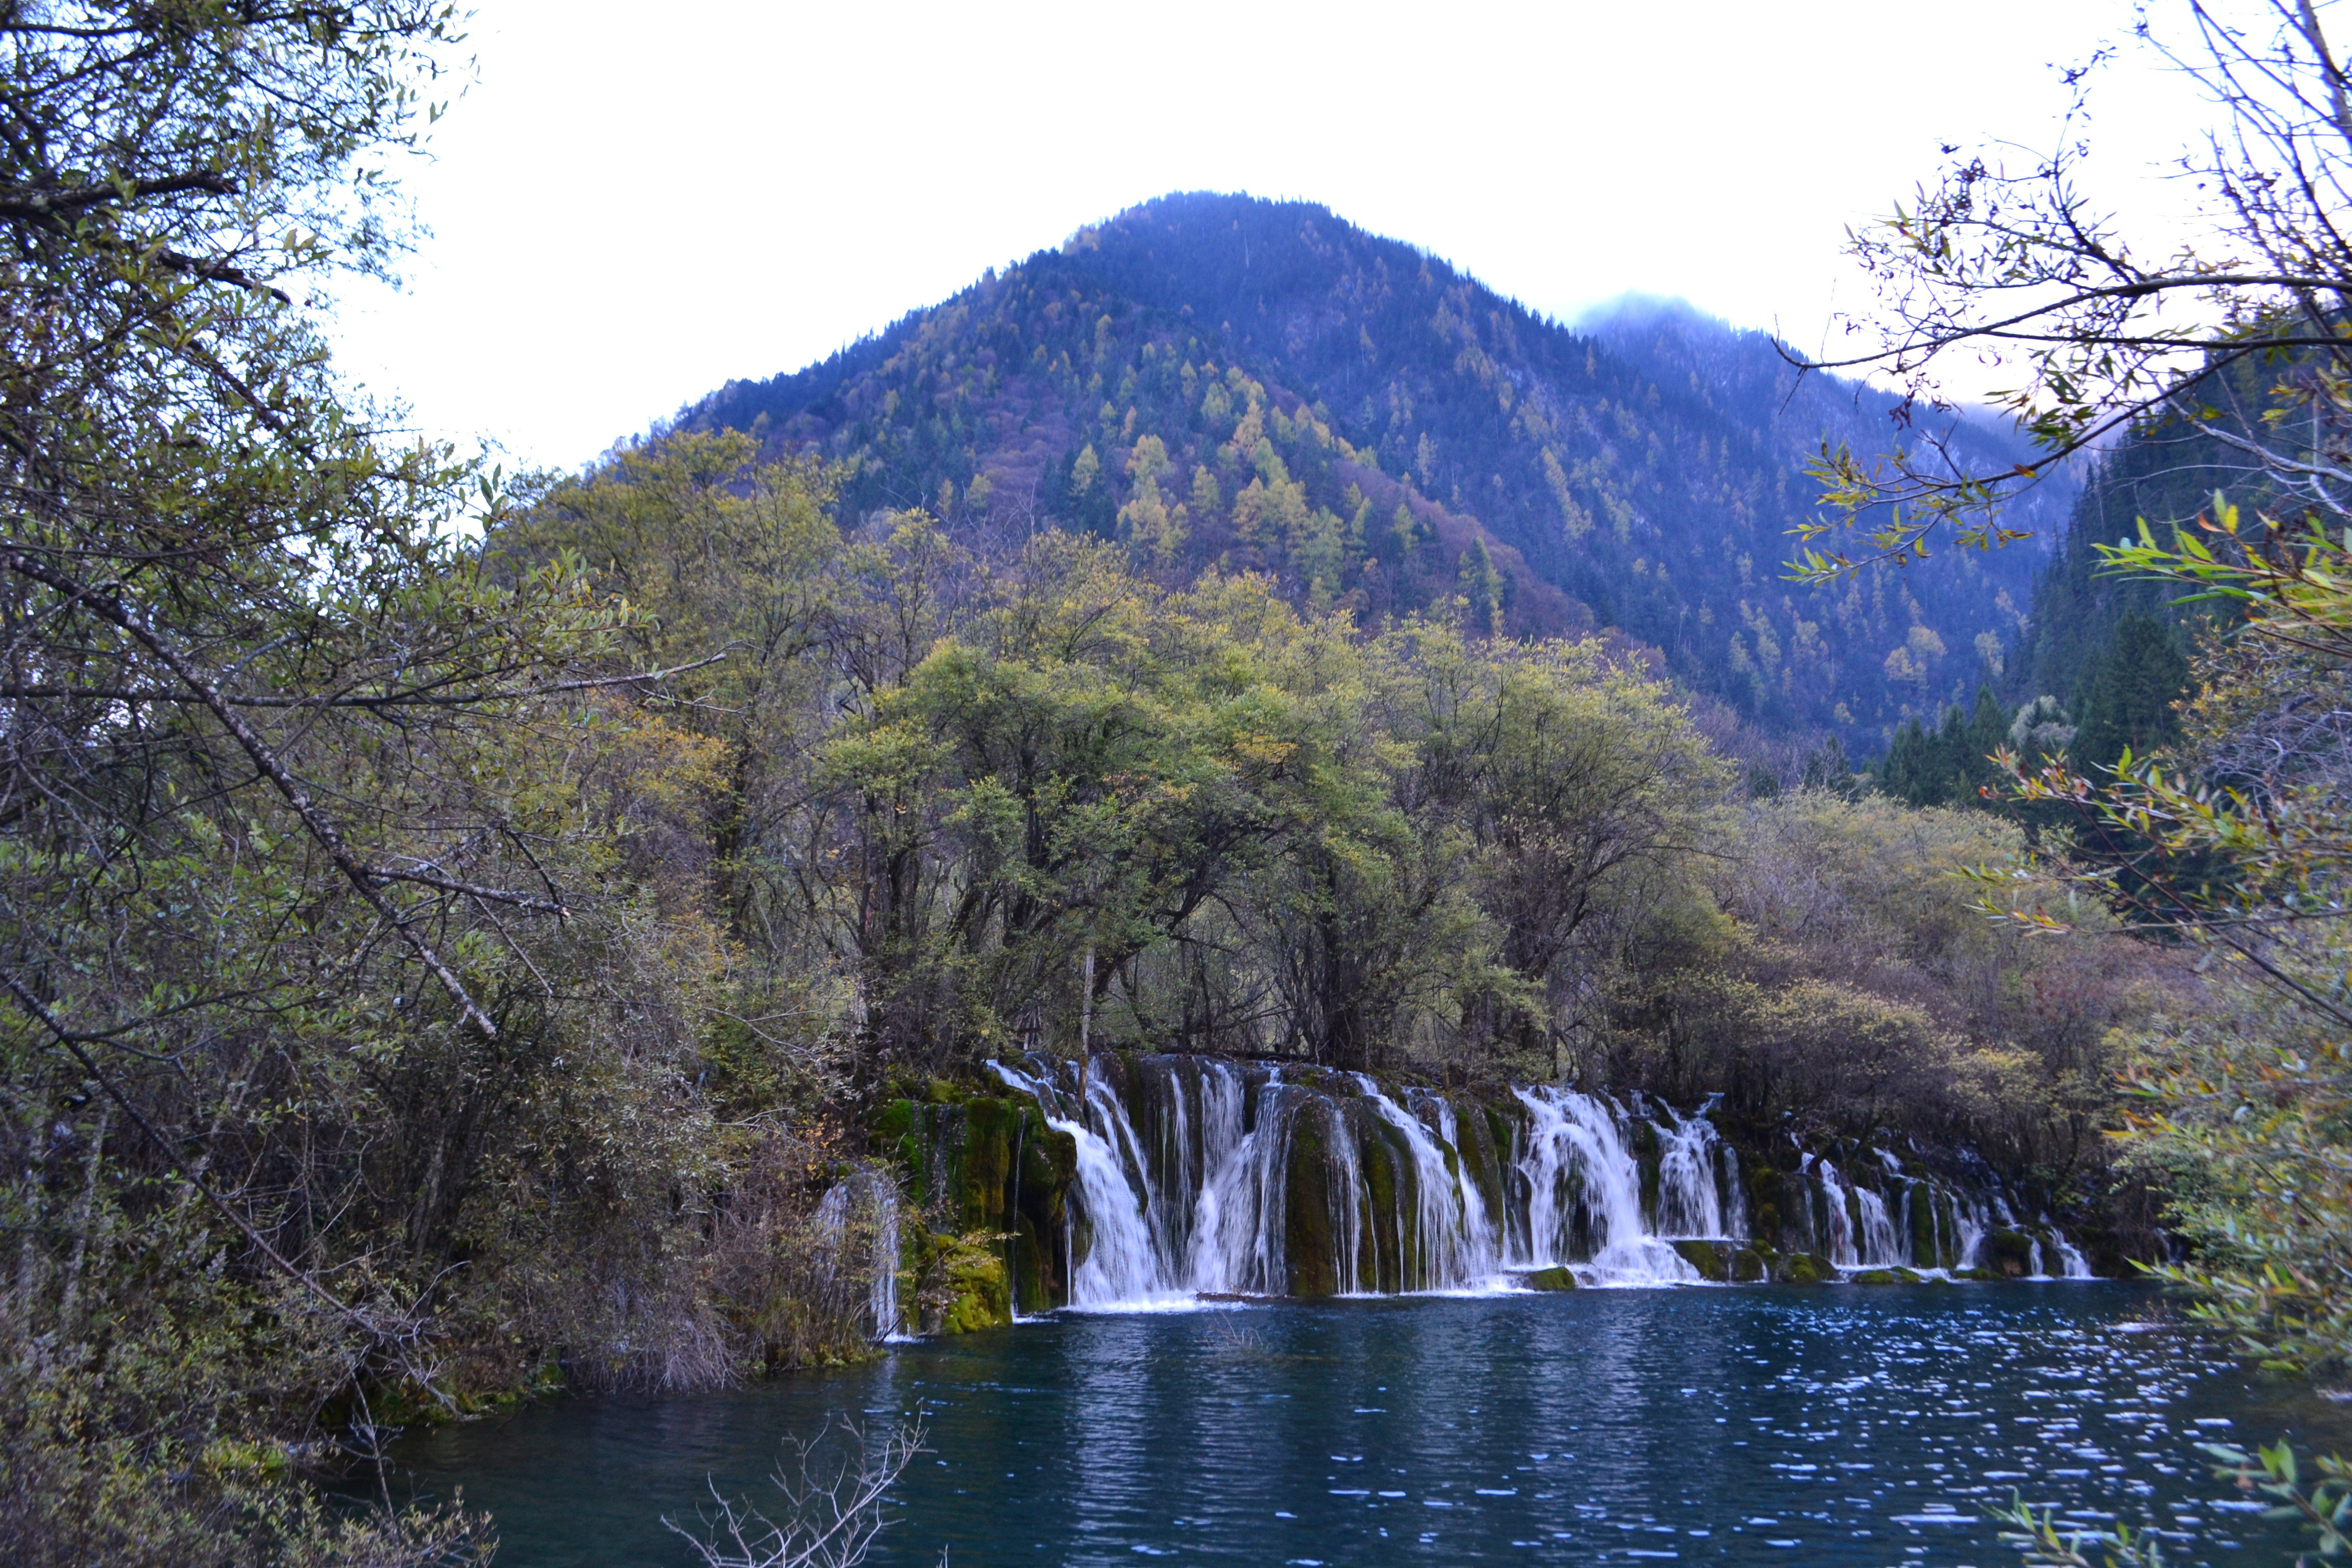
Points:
[[988, 1227], [977, 1294], [1893, 1277], [1310, 1257], [2009, 1253], [1711, 1258], [1727, 1262]]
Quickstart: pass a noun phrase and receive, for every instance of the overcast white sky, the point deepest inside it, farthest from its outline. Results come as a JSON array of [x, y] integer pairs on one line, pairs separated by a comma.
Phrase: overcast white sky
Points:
[[627, 212]]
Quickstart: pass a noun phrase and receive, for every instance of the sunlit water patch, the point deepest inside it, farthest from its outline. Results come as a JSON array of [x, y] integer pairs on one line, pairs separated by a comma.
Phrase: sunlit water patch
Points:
[[1833, 1426]]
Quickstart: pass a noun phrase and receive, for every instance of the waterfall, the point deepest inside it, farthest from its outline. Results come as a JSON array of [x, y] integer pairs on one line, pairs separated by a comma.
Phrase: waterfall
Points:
[[1482, 1241], [1444, 1253], [1237, 1233], [1190, 1173], [2072, 1264], [1860, 1232], [1971, 1217], [1119, 1262], [1734, 1207], [1585, 1193], [1690, 1204], [865, 1199], [1850, 1221], [1834, 1235], [1197, 1176], [1878, 1245]]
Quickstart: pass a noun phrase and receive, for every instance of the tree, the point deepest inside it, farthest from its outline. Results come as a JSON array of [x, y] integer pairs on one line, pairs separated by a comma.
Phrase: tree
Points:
[[317, 945], [2129, 699], [2238, 334], [2240, 843]]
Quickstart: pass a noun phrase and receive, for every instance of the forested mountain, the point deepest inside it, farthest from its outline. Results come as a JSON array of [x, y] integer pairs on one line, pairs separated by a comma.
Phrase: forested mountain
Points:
[[2167, 476], [1220, 381], [2101, 658]]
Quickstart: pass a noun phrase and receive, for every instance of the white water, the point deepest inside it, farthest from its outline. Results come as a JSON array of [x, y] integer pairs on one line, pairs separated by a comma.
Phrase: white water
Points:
[[1119, 1262], [1579, 1170], [1238, 1227], [1837, 1245], [1445, 1253], [1199, 1201], [1879, 1246], [1205, 1209], [1689, 1204], [1482, 1240], [866, 1199]]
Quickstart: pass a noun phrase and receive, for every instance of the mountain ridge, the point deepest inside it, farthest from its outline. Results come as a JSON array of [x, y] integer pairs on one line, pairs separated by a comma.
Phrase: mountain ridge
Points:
[[1225, 382]]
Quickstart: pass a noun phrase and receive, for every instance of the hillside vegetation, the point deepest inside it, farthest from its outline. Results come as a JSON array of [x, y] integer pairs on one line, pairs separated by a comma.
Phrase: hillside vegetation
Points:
[[1219, 382]]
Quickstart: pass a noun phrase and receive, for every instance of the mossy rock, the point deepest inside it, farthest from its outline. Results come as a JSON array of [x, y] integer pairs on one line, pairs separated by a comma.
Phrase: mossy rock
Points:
[[1924, 1223], [1503, 1127], [977, 1293], [1643, 1144], [1748, 1267], [1387, 1237], [1711, 1258], [1803, 1269], [1883, 1277], [1980, 1274], [2011, 1254], [893, 1122], [1307, 1214], [1555, 1278]]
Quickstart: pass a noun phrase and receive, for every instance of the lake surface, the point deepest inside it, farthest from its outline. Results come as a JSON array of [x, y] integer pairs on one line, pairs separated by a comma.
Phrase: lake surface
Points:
[[1831, 1426]]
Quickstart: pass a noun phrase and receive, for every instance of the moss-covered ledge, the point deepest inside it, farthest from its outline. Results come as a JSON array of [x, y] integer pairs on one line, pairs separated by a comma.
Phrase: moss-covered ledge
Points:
[[987, 1226]]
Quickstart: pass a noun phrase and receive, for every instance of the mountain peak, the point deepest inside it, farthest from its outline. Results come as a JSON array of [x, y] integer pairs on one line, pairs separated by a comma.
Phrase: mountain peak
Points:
[[1220, 381]]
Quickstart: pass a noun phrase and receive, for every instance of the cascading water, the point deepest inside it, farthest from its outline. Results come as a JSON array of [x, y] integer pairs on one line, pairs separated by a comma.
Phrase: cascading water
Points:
[[1930, 1227], [1197, 1176], [1239, 1182], [1876, 1240], [865, 1201], [1690, 1204], [1833, 1223], [1446, 1254], [1238, 1227], [1584, 1187], [1482, 1240], [1119, 1261]]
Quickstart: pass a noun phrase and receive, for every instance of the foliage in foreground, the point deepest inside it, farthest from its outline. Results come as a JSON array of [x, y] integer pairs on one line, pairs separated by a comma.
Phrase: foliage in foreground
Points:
[[2231, 342], [836, 1487], [2243, 1112], [2323, 1506]]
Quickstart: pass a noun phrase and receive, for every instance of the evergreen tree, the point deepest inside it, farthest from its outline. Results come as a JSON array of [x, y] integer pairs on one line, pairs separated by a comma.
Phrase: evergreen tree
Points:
[[1950, 765], [2128, 696], [1482, 585]]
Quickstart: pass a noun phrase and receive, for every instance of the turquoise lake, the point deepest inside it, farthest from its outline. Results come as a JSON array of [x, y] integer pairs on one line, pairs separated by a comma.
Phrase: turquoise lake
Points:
[[1828, 1426]]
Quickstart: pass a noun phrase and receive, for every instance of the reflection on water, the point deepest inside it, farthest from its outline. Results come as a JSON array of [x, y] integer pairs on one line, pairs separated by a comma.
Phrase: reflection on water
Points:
[[1826, 1426]]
